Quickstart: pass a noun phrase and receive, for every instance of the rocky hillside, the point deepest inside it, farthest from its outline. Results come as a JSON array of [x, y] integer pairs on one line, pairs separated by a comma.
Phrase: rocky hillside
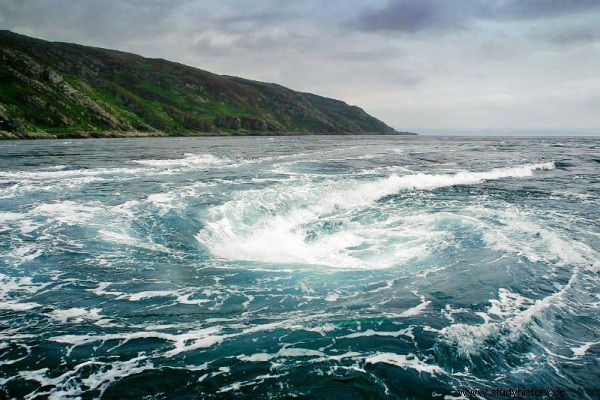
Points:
[[64, 89]]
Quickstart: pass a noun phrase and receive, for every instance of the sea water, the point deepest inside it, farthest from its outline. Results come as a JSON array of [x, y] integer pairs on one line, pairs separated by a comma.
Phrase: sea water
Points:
[[311, 267]]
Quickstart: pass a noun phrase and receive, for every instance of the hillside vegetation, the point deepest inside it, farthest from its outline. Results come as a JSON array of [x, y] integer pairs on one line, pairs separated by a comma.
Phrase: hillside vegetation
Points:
[[68, 90]]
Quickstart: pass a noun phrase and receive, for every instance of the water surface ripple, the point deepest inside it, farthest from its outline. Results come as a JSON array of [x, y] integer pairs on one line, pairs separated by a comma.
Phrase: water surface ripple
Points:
[[321, 267]]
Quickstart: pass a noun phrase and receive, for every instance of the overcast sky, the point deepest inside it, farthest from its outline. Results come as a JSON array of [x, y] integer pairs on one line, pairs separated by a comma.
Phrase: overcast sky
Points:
[[423, 65]]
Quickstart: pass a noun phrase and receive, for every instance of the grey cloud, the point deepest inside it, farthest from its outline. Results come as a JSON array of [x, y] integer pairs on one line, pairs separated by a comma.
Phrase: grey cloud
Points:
[[407, 16], [110, 20], [365, 55], [219, 40], [411, 16], [537, 8], [257, 31], [574, 36], [257, 17]]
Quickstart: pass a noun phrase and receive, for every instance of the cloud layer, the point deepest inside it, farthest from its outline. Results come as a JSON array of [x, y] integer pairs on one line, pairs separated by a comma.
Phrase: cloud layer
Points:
[[431, 15], [417, 64]]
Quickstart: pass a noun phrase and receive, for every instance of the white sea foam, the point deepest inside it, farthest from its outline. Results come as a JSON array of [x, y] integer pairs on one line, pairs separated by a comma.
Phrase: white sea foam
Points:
[[411, 312], [76, 315], [175, 199], [18, 305], [278, 241], [66, 212], [188, 160], [332, 297], [448, 312], [10, 216], [125, 239], [282, 353], [67, 385], [184, 342], [405, 362], [517, 314], [416, 310], [161, 199], [508, 304], [148, 294], [27, 226], [46, 176], [258, 380], [271, 225], [112, 224], [116, 370], [101, 290], [388, 285], [181, 297], [375, 190], [408, 332], [15, 292], [512, 230], [185, 299], [42, 220], [23, 182], [25, 253], [583, 349]]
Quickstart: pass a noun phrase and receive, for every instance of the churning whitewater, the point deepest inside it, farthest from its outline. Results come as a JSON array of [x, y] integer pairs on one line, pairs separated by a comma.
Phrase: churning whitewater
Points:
[[331, 267]]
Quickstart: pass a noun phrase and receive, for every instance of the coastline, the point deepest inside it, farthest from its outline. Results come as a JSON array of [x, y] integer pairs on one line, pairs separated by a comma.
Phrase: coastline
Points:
[[4, 135]]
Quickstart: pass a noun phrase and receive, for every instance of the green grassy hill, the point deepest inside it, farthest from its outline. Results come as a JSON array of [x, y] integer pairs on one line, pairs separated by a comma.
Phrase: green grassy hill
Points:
[[69, 90]]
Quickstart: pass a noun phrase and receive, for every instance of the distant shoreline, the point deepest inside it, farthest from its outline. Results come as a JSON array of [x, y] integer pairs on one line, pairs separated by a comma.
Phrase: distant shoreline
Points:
[[79, 91], [136, 134]]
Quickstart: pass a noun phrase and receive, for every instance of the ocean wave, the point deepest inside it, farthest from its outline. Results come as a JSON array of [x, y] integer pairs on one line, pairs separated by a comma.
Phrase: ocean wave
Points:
[[270, 225], [504, 342], [188, 160]]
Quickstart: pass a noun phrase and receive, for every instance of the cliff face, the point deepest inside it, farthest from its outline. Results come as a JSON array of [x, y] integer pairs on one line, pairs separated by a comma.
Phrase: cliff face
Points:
[[72, 90]]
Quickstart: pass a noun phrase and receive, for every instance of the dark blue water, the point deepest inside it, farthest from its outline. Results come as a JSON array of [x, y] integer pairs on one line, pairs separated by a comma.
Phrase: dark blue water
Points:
[[309, 267]]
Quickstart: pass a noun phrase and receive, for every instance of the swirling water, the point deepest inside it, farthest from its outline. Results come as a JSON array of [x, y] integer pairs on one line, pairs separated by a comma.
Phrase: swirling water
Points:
[[331, 267]]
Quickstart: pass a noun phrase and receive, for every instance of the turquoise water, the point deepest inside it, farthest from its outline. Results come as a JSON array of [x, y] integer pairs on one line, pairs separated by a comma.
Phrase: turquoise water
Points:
[[309, 267]]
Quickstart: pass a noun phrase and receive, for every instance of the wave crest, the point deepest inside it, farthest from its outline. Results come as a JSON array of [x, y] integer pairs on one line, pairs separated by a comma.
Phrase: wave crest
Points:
[[314, 223]]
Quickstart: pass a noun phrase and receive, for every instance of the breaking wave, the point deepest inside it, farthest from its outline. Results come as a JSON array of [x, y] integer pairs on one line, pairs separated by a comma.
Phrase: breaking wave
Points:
[[353, 267], [315, 224]]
